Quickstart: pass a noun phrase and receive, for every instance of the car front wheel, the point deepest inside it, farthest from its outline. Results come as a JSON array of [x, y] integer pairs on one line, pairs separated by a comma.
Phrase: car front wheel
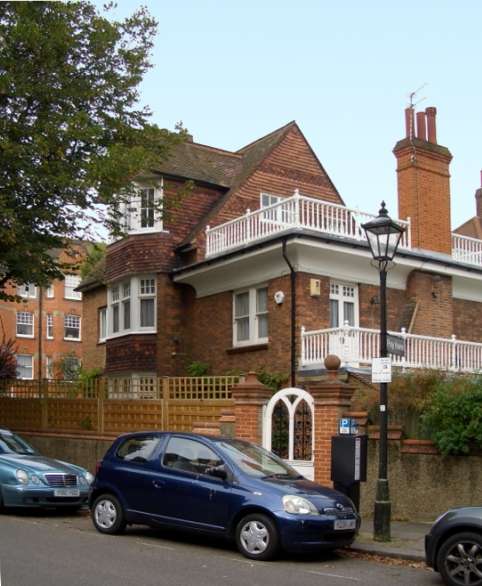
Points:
[[459, 560], [257, 537], [108, 515]]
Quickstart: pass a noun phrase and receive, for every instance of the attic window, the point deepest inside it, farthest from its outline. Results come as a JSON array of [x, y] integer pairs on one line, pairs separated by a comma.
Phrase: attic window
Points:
[[143, 212]]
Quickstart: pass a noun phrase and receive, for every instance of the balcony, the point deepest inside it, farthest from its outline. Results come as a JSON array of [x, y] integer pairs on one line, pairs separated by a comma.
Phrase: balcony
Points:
[[301, 212], [356, 347], [297, 211]]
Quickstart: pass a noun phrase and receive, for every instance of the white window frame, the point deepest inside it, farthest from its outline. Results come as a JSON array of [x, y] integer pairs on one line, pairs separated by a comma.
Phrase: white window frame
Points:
[[49, 367], [338, 292], [30, 322], [69, 339], [69, 292], [103, 324], [32, 361], [136, 295], [50, 291], [253, 314], [131, 210], [28, 290], [49, 324]]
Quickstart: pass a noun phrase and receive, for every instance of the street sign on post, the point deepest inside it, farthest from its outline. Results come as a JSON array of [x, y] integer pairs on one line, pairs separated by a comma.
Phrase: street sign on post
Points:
[[382, 370], [395, 345]]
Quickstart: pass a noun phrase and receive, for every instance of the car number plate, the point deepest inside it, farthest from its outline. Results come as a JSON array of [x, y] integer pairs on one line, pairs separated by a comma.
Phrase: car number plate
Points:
[[341, 524], [66, 492]]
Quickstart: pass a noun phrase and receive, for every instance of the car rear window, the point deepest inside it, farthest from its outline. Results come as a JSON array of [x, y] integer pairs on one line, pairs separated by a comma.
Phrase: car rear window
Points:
[[138, 449]]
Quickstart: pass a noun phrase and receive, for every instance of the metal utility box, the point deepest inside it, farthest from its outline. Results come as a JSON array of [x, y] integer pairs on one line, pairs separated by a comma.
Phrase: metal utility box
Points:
[[349, 459]]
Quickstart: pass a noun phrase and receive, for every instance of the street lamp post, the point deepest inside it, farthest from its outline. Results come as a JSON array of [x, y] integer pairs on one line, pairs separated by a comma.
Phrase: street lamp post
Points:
[[383, 235]]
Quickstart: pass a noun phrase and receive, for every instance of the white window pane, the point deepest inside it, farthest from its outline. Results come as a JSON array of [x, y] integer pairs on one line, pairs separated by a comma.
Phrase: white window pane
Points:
[[147, 313], [148, 286], [262, 300], [241, 304], [72, 327], [334, 319], [102, 323], [70, 283], [242, 329], [262, 326], [349, 313], [126, 289], [50, 291], [127, 314], [115, 293], [115, 318], [24, 366], [24, 323], [50, 326]]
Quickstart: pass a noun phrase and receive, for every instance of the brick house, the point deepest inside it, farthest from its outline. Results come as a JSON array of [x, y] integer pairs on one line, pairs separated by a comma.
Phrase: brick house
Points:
[[262, 266], [47, 323]]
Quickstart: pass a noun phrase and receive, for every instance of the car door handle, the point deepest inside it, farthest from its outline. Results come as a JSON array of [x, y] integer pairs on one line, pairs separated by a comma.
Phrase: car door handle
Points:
[[158, 483]]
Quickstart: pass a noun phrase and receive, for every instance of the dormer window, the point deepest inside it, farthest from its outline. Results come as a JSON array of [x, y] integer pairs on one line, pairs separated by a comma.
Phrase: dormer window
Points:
[[143, 211]]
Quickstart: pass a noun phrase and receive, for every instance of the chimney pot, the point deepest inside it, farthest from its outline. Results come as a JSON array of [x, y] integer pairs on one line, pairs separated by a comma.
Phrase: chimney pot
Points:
[[409, 123], [421, 126], [431, 124]]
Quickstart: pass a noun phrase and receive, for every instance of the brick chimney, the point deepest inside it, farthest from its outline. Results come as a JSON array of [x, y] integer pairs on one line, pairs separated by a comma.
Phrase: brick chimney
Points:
[[424, 182], [478, 198]]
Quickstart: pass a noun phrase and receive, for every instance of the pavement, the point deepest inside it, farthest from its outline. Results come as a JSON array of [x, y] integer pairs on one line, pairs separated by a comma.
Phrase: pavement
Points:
[[408, 540]]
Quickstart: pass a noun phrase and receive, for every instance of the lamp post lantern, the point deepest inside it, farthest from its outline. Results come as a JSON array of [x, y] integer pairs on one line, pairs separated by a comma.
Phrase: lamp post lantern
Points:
[[383, 235]]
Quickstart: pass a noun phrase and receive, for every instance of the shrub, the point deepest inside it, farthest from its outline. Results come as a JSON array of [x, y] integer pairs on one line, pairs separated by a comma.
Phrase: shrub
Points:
[[454, 416], [8, 362], [197, 368], [273, 380]]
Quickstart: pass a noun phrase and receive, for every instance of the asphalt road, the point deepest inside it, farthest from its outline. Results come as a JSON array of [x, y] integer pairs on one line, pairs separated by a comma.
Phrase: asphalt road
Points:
[[49, 548]]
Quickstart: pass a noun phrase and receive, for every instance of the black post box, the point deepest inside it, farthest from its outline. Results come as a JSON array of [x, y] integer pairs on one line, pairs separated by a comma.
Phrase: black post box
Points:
[[349, 464]]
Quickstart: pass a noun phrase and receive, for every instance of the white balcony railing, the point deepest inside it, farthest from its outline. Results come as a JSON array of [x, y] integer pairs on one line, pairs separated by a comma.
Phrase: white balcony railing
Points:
[[358, 346], [294, 212], [467, 249]]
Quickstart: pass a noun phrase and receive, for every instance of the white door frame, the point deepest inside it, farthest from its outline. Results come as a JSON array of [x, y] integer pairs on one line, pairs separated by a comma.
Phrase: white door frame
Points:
[[304, 467]]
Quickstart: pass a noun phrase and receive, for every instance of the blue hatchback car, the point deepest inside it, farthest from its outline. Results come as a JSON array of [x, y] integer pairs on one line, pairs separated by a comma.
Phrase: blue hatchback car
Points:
[[220, 486]]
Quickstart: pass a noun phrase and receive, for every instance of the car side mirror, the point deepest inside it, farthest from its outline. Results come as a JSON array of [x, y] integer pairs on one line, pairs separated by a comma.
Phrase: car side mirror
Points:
[[217, 471]]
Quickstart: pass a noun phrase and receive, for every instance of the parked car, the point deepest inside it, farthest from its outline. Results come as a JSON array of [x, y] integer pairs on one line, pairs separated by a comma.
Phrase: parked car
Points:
[[454, 546], [28, 479], [220, 486]]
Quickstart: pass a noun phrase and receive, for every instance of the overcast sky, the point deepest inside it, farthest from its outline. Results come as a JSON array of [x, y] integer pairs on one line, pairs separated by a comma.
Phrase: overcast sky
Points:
[[233, 71]]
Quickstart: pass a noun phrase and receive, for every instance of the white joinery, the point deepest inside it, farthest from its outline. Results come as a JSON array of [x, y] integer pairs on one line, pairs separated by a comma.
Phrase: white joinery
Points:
[[343, 304], [70, 283], [50, 291], [102, 324], [291, 212], [49, 367], [72, 327], [50, 327], [358, 346], [28, 290], [250, 316], [142, 212], [25, 366], [131, 307], [25, 324]]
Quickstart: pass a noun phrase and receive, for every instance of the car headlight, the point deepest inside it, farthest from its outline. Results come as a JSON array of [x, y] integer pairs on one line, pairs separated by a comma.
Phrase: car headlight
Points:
[[298, 505], [34, 479], [22, 476], [86, 478]]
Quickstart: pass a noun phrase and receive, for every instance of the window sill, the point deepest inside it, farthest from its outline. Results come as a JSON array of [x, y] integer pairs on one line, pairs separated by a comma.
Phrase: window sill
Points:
[[72, 339], [129, 333], [251, 348], [73, 298], [25, 336]]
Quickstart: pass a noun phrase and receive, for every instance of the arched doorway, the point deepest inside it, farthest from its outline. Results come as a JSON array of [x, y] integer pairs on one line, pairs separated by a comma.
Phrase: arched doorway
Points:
[[288, 428]]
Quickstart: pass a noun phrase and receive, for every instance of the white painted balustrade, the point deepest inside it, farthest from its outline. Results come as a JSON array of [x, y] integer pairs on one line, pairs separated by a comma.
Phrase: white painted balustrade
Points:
[[467, 249], [358, 346], [293, 212]]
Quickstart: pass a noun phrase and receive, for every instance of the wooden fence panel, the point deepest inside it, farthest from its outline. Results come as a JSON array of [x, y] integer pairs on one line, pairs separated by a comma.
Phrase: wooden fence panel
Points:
[[20, 413], [182, 414], [120, 416], [66, 414]]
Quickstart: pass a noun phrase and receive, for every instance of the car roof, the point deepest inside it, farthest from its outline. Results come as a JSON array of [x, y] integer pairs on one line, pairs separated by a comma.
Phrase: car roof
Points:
[[186, 434], [5, 430]]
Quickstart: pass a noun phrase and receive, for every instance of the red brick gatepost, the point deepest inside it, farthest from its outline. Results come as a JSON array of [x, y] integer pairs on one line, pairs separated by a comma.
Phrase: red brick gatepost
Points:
[[250, 396], [332, 399]]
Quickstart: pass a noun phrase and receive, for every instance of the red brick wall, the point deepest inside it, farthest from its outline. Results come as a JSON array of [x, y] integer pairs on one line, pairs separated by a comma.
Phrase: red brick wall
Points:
[[467, 320], [94, 352], [131, 353], [369, 300], [435, 312]]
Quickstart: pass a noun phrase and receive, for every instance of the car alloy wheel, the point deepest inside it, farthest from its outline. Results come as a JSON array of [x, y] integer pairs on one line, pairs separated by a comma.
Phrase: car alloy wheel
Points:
[[257, 537], [107, 514], [460, 560]]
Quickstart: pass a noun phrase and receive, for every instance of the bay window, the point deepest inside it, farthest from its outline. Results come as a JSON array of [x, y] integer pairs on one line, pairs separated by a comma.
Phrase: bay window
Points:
[[250, 316], [131, 307]]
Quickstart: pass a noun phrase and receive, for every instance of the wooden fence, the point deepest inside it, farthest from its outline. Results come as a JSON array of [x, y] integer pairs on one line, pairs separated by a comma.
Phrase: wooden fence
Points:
[[114, 405]]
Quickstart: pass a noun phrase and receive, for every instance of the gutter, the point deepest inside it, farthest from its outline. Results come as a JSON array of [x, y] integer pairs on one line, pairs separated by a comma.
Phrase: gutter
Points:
[[293, 314]]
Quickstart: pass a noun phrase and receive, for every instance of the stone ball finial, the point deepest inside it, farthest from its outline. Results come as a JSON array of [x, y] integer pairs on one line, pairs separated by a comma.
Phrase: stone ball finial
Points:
[[332, 362]]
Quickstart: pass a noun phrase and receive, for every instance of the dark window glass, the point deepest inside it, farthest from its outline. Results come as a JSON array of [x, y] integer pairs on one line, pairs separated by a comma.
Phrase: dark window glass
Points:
[[138, 449], [189, 456]]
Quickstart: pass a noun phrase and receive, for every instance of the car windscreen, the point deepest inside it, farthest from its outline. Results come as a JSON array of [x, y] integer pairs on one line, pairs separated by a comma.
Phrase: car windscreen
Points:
[[13, 444], [256, 461]]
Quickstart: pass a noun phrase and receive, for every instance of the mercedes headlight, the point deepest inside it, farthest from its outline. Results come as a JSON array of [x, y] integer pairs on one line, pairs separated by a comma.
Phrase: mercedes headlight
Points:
[[297, 505], [87, 478], [22, 476]]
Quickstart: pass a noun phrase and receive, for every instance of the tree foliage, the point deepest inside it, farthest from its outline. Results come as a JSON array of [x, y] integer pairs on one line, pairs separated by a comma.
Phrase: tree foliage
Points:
[[72, 134]]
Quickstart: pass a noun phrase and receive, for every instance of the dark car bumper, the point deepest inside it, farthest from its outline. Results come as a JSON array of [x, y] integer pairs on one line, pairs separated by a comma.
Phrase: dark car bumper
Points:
[[41, 496], [311, 533]]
